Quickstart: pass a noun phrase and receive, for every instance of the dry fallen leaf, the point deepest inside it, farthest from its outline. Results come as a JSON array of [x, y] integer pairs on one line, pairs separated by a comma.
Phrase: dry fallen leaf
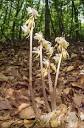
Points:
[[73, 55], [81, 114], [5, 104], [26, 113], [23, 106], [3, 77], [59, 117], [7, 124], [66, 91], [4, 118], [72, 120], [78, 85], [69, 68], [28, 123], [39, 100], [78, 99], [81, 79], [9, 93], [81, 124]]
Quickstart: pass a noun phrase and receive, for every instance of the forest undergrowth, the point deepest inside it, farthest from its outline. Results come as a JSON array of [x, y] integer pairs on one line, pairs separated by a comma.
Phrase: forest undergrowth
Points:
[[15, 105]]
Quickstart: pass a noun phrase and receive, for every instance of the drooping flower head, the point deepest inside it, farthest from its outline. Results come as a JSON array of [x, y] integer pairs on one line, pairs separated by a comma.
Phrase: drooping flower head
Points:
[[56, 58], [30, 24], [48, 47], [25, 28], [36, 51], [32, 12], [62, 43], [39, 36], [62, 46], [48, 64]]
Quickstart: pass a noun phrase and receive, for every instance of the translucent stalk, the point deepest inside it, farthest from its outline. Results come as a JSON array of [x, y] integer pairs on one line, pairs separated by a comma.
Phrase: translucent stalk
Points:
[[30, 76], [43, 81], [56, 80], [50, 87]]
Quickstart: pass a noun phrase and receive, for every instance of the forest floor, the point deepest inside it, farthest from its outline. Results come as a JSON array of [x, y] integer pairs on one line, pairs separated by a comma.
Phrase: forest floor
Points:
[[15, 106]]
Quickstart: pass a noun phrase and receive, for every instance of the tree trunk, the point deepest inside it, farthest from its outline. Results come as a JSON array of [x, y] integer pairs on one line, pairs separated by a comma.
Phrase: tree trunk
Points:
[[47, 20], [76, 21]]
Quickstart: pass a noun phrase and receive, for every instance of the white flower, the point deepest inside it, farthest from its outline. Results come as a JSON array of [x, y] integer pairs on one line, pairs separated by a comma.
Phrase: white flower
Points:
[[56, 58], [48, 47], [50, 50], [65, 54], [29, 10], [46, 62], [32, 12], [39, 36], [24, 28], [46, 44], [28, 25], [36, 50], [62, 43], [53, 67]]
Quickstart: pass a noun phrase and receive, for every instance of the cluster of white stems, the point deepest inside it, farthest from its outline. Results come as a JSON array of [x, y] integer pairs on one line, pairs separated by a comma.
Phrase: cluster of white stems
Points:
[[51, 62]]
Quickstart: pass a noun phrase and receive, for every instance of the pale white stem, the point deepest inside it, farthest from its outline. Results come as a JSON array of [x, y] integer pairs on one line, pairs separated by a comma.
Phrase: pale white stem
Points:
[[50, 87], [43, 81], [56, 80], [30, 76]]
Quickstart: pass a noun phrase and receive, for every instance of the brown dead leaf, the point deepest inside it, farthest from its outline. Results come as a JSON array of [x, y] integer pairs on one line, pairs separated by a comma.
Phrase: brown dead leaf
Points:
[[27, 113], [9, 93], [3, 77], [72, 120], [69, 68], [67, 91], [23, 106], [78, 99], [7, 124], [4, 118], [73, 55], [58, 118], [21, 84], [81, 124], [81, 79], [78, 85], [29, 123], [81, 114], [39, 100], [5, 104]]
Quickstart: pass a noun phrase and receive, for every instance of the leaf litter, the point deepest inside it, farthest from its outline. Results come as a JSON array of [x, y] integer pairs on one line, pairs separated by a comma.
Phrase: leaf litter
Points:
[[15, 105]]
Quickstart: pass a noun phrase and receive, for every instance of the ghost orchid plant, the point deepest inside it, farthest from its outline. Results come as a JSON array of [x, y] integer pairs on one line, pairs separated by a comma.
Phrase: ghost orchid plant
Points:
[[49, 66], [28, 28], [62, 46], [40, 38]]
